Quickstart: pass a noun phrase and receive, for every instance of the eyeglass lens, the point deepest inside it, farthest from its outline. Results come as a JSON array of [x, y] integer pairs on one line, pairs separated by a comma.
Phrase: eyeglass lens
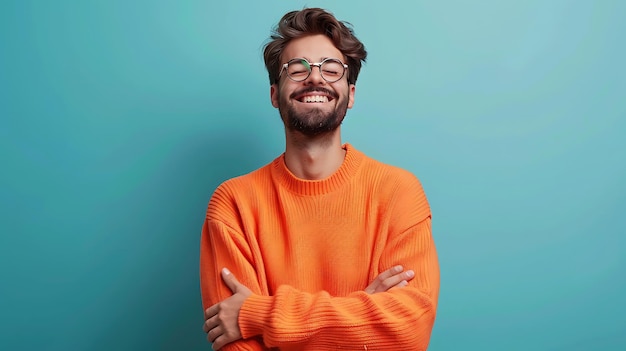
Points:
[[331, 70]]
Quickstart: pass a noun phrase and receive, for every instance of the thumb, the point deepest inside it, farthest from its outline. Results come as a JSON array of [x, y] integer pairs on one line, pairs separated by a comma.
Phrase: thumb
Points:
[[230, 280]]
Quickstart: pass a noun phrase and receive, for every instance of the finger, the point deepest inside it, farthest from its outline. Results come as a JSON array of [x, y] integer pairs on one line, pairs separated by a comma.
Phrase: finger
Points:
[[380, 279], [210, 323], [401, 284], [205, 327], [395, 280], [215, 333], [230, 280], [211, 311], [219, 342], [390, 272]]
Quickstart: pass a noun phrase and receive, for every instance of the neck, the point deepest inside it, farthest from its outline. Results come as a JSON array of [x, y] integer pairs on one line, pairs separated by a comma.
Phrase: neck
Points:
[[313, 158]]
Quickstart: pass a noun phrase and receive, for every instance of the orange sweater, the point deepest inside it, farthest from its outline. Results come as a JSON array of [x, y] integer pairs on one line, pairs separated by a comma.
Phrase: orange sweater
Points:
[[307, 249]]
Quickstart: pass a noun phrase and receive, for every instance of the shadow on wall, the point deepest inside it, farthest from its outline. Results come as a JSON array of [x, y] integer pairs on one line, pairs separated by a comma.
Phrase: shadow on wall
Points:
[[159, 305], [210, 160]]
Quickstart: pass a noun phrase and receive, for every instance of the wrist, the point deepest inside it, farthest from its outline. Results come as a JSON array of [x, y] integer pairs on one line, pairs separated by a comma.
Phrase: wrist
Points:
[[254, 315]]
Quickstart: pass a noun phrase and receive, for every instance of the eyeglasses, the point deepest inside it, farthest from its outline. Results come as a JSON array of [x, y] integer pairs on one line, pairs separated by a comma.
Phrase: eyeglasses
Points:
[[299, 69]]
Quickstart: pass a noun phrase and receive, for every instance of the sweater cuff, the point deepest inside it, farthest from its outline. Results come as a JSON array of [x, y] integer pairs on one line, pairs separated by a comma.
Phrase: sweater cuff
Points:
[[253, 315]]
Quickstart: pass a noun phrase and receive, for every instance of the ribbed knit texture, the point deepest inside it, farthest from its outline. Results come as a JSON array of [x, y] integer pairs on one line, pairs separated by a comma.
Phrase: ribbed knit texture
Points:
[[308, 249]]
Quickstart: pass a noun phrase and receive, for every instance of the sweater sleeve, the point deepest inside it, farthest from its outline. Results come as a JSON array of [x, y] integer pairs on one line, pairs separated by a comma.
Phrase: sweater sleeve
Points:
[[401, 318], [223, 247]]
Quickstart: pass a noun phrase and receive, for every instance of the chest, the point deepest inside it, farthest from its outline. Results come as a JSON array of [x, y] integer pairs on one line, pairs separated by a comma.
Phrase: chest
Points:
[[325, 243]]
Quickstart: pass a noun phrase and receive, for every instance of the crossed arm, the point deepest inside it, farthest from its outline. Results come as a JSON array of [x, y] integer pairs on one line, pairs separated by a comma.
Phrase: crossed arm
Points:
[[221, 320], [246, 317]]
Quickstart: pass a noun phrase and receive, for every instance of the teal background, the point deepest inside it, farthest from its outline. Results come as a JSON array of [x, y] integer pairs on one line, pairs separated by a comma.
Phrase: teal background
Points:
[[119, 119]]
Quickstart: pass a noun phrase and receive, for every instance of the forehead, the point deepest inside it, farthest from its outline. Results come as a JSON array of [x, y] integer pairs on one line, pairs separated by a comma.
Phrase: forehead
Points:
[[314, 48]]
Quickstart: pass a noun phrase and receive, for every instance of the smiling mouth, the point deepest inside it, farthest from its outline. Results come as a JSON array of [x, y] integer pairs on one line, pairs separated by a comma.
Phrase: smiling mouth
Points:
[[314, 99], [314, 95]]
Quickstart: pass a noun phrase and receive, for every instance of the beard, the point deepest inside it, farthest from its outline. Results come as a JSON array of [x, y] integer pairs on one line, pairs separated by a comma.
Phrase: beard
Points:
[[314, 121]]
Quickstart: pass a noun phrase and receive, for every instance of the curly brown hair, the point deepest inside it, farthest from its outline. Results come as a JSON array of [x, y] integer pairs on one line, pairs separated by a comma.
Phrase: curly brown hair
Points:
[[309, 21]]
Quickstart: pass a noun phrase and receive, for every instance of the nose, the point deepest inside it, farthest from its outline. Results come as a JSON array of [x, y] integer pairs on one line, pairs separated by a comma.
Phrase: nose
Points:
[[315, 77]]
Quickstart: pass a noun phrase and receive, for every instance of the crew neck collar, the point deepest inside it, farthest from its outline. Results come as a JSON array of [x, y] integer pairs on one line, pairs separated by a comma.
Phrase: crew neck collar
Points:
[[305, 187]]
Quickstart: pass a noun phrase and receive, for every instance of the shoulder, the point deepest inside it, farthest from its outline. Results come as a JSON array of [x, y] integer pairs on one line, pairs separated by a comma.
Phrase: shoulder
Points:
[[402, 189], [236, 192], [393, 178]]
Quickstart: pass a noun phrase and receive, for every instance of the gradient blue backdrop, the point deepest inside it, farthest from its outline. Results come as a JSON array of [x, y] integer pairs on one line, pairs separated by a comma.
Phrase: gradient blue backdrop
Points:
[[119, 119]]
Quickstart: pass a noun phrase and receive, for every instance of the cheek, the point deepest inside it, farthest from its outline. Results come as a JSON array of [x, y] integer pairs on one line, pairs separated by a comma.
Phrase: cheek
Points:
[[278, 97], [282, 92]]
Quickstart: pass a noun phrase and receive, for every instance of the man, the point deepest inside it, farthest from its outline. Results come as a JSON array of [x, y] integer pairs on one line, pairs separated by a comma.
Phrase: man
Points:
[[323, 248]]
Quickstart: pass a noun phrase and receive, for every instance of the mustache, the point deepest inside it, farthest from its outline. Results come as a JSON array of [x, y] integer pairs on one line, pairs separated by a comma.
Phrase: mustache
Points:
[[312, 90]]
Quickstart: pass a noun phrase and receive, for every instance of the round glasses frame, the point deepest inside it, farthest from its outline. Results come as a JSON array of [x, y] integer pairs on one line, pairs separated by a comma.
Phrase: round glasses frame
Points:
[[310, 69]]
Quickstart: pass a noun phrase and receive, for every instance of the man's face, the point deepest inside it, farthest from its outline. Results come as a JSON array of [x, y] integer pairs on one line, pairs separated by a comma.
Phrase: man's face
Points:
[[313, 106]]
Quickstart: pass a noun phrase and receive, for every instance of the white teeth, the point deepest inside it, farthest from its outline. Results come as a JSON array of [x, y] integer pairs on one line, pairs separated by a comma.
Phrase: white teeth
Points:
[[315, 98]]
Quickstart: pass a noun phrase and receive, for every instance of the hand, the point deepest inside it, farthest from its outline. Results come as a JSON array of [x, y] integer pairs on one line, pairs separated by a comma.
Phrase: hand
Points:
[[393, 277], [222, 319]]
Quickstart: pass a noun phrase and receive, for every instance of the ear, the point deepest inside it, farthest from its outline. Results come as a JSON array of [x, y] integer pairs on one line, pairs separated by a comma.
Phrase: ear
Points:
[[274, 95], [351, 91]]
